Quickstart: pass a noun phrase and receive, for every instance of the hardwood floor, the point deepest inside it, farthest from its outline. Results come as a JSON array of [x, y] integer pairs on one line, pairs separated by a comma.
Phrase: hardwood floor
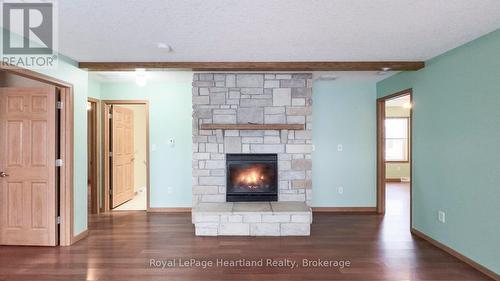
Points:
[[121, 245]]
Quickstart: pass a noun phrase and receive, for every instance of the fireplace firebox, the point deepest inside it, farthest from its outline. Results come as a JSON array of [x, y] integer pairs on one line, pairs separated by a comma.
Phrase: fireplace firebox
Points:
[[251, 177]]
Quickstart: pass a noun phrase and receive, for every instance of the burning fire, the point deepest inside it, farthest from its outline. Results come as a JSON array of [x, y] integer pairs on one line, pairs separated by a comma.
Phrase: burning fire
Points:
[[252, 178]]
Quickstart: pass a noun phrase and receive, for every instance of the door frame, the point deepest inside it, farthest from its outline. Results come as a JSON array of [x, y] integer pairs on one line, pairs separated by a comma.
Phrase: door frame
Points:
[[66, 127], [105, 111], [381, 177], [94, 123]]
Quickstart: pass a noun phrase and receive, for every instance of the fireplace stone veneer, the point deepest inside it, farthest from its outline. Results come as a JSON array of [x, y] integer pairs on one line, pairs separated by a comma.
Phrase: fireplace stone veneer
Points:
[[251, 98]]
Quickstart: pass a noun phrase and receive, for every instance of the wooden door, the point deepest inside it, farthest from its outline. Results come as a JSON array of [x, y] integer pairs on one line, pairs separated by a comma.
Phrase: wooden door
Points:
[[122, 160], [27, 163]]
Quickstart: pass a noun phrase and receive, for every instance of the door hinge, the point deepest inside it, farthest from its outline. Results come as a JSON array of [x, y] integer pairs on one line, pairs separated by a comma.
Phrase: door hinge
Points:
[[59, 162], [110, 116], [110, 191], [110, 154], [58, 220], [59, 105]]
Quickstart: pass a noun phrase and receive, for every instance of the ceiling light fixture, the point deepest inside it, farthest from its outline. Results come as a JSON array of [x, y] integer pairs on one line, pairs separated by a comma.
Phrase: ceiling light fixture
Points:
[[140, 77]]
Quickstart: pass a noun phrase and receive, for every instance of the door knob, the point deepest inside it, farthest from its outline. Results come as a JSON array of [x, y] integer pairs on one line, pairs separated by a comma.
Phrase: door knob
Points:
[[3, 175]]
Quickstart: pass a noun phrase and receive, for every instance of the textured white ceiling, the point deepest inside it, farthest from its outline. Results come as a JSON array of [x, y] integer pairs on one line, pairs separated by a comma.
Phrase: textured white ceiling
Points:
[[270, 30]]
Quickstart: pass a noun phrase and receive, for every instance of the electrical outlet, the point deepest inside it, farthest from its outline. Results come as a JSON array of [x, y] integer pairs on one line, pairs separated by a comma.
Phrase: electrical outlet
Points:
[[340, 147], [340, 190], [441, 216], [170, 190]]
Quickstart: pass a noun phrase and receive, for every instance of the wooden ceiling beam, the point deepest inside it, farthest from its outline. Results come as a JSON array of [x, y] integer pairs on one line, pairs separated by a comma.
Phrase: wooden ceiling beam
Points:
[[257, 66]]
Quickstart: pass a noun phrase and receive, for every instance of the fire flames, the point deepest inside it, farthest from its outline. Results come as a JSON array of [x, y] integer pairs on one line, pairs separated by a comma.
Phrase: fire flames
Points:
[[252, 178]]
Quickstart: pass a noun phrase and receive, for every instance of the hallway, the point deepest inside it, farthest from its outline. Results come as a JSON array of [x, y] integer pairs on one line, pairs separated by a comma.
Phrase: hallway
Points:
[[397, 213]]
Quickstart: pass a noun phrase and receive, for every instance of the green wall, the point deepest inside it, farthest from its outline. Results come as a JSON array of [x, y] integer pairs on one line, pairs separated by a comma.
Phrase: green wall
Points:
[[170, 117], [456, 126], [94, 88], [344, 113]]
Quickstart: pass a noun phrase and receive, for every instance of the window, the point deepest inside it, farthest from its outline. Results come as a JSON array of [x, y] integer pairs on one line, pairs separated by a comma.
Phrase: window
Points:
[[396, 139]]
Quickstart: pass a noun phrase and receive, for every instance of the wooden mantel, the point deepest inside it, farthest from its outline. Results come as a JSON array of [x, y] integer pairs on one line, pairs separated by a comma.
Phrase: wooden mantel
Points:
[[252, 127]]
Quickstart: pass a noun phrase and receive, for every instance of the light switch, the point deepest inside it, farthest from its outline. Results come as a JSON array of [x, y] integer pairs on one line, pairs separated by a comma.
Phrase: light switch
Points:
[[153, 147], [442, 216], [340, 147]]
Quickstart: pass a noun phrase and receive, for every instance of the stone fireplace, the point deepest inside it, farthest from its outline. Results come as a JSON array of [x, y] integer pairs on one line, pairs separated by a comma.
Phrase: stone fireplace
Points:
[[252, 141]]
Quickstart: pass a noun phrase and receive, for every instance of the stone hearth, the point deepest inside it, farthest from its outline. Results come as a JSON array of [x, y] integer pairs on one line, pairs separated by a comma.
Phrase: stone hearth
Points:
[[252, 219]]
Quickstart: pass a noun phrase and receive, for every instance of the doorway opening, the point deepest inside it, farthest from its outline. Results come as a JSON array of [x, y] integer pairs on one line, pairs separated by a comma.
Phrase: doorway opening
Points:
[[394, 154], [126, 155], [36, 169]]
